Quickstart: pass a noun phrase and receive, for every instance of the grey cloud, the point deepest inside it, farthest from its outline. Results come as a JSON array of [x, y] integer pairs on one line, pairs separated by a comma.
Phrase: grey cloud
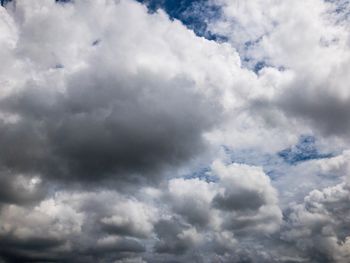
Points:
[[117, 246], [242, 236], [319, 227], [247, 199], [320, 106], [125, 229], [191, 199], [64, 229], [169, 241], [110, 119], [34, 249], [239, 200], [328, 113], [17, 189], [102, 127]]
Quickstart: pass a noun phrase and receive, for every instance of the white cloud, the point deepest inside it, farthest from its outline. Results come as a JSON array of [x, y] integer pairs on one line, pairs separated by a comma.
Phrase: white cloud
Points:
[[304, 39]]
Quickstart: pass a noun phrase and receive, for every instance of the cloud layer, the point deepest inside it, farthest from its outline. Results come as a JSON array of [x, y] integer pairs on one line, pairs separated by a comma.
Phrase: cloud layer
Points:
[[128, 137]]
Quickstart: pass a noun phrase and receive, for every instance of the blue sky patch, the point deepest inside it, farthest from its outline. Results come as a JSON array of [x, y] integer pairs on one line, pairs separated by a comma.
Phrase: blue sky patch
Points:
[[194, 14], [304, 150], [204, 174]]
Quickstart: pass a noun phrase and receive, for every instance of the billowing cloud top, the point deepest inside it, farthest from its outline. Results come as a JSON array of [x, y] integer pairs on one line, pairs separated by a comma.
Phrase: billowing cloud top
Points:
[[153, 131]]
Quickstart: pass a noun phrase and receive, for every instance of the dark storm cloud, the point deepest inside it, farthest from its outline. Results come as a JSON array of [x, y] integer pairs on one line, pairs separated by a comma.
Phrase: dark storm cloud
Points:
[[36, 249], [14, 189], [104, 125], [119, 119], [41, 249]]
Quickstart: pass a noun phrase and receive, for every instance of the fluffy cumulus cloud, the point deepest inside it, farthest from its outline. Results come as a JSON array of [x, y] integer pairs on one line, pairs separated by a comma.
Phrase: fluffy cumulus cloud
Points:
[[153, 131], [306, 47]]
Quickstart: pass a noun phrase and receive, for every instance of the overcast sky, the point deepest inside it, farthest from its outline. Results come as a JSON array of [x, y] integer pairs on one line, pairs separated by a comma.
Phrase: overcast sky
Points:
[[181, 131]]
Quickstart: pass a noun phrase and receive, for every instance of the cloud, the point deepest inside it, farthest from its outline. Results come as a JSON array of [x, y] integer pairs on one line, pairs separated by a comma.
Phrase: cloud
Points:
[[126, 137], [110, 225], [103, 225], [192, 199], [319, 226], [247, 198], [18, 189], [38, 234], [316, 58], [95, 117]]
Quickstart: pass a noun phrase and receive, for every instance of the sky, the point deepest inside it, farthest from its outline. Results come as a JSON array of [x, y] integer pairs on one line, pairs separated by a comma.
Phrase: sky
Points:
[[156, 131]]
